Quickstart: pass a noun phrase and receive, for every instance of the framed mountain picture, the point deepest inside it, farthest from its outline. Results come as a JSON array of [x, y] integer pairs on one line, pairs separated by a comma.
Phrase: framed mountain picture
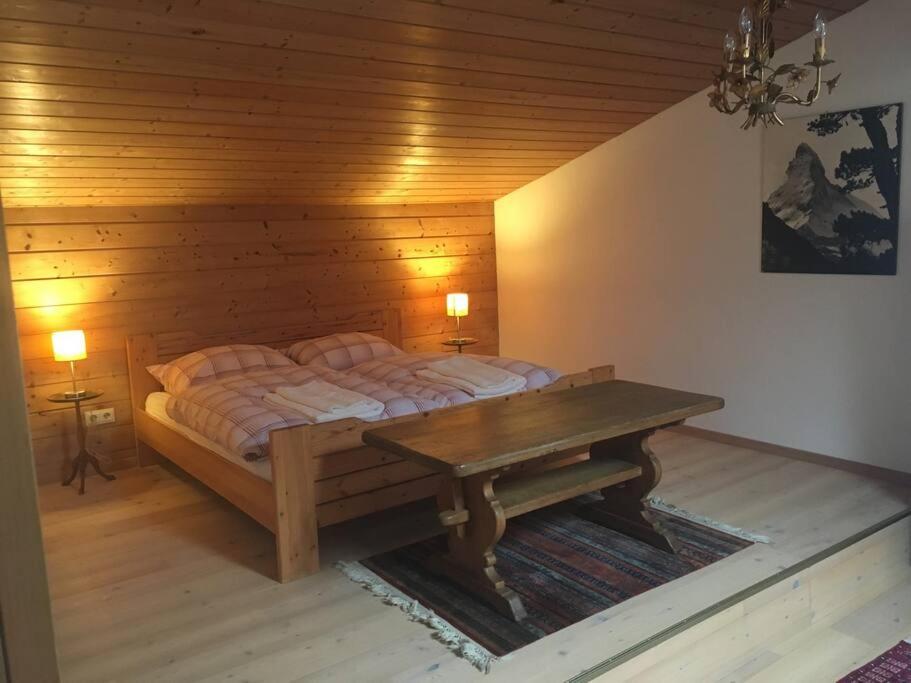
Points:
[[831, 193]]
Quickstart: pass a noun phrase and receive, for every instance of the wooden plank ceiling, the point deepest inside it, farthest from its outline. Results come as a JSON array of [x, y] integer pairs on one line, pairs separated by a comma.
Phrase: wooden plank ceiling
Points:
[[336, 101]]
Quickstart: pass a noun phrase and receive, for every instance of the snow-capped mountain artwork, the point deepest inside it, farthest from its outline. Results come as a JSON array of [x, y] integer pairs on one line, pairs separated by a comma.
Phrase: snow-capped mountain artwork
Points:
[[831, 193], [809, 203], [807, 198]]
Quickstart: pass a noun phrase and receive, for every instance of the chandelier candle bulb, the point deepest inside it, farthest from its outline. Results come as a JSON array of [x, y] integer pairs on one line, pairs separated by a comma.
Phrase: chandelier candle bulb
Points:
[[730, 47], [746, 22], [820, 29], [819, 26]]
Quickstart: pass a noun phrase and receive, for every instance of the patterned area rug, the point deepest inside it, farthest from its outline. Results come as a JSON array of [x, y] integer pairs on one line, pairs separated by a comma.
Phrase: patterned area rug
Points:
[[563, 567], [893, 666]]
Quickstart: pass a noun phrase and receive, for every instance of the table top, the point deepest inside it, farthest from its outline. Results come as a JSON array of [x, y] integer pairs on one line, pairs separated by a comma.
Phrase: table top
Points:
[[461, 341], [489, 434], [63, 398]]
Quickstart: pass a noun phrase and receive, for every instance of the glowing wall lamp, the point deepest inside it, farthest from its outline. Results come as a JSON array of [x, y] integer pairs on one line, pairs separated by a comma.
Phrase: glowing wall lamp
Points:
[[69, 346]]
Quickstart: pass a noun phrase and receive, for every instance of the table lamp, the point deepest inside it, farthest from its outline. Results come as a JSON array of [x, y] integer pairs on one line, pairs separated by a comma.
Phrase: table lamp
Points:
[[456, 307], [69, 346]]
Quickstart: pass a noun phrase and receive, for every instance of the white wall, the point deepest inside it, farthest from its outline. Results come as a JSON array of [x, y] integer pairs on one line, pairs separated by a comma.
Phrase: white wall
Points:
[[645, 253]]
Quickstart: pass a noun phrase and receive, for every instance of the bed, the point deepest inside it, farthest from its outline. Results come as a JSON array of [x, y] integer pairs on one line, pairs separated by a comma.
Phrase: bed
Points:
[[316, 474]]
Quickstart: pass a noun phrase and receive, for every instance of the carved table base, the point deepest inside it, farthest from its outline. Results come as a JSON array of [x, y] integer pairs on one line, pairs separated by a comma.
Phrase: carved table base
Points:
[[476, 520], [83, 460], [625, 507], [471, 560]]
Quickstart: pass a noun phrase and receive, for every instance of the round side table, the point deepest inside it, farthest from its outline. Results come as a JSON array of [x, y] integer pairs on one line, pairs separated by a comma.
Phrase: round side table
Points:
[[84, 458], [459, 342]]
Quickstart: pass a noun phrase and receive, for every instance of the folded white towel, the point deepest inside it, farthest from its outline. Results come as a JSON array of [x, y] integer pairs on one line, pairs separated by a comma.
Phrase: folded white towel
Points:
[[278, 401], [481, 375], [508, 387], [324, 397]]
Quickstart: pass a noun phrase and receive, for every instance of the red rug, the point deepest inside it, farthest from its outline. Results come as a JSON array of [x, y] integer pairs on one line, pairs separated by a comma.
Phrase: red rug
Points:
[[893, 666]]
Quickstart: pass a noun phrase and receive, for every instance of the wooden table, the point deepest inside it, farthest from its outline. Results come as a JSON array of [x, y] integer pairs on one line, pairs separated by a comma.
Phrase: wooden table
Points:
[[475, 445], [84, 458], [461, 342]]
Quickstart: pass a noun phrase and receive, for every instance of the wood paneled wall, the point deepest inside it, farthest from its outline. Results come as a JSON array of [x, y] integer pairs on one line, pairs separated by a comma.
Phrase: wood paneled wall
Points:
[[115, 271]]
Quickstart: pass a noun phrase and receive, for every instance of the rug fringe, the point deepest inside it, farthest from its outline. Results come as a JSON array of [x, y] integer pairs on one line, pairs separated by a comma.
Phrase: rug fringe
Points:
[[671, 509], [443, 631]]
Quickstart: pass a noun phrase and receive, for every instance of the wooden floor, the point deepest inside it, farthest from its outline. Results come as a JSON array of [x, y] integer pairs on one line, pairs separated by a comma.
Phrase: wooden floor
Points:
[[816, 624], [155, 579]]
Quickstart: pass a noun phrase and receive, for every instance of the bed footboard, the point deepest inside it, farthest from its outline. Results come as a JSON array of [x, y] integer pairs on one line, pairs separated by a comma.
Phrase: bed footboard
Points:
[[315, 486]]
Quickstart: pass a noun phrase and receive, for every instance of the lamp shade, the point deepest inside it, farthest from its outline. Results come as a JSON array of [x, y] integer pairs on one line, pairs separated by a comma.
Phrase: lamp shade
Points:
[[457, 304], [69, 345]]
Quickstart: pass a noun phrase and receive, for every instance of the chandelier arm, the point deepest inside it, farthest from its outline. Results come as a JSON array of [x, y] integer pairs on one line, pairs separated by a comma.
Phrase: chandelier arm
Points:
[[791, 99], [812, 96], [722, 103], [728, 108]]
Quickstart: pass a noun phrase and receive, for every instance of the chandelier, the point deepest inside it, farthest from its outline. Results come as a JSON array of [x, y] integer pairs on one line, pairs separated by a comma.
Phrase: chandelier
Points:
[[748, 80]]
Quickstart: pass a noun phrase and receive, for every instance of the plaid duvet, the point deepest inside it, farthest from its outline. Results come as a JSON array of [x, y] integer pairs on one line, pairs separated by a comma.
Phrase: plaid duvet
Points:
[[229, 408]]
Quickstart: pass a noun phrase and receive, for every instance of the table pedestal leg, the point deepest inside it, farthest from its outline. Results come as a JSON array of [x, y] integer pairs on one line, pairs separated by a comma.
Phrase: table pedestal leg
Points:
[[625, 507], [84, 457], [471, 560], [83, 460], [76, 465]]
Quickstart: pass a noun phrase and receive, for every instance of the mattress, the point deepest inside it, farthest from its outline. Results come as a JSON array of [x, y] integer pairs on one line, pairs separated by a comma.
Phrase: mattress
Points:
[[157, 408]]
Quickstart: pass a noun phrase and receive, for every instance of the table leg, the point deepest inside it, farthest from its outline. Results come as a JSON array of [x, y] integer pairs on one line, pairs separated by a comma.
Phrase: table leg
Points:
[[96, 465], [80, 463], [625, 507], [74, 470], [471, 560], [84, 458]]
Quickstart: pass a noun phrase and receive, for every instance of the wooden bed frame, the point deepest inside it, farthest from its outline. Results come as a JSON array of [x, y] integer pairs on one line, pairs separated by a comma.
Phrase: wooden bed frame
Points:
[[321, 474]]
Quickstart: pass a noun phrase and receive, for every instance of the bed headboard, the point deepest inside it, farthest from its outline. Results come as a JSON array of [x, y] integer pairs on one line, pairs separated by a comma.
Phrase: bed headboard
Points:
[[148, 349]]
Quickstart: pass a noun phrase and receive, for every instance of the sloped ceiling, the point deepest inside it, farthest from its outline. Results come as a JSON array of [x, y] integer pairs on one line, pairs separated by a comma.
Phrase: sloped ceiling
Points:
[[330, 101]]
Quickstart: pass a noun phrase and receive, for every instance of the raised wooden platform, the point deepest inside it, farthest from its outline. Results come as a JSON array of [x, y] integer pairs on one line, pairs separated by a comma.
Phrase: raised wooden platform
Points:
[[155, 578], [814, 624]]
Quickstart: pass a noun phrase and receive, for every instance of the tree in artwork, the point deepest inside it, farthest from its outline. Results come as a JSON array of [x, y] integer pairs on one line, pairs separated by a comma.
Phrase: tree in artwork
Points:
[[861, 167]]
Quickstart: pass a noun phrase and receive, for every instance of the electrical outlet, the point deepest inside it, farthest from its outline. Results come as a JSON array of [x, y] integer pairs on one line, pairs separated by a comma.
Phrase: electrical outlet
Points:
[[99, 416]]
